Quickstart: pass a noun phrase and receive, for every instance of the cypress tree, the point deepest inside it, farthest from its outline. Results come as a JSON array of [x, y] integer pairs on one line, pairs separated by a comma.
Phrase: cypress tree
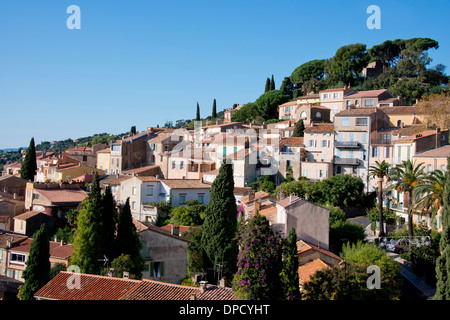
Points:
[[29, 166], [290, 267], [220, 225], [299, 129], [127, 239], [88, 240], [133, 130], [197, 118], [443, 262], [37, 271], [109, 219], [267, 88], [214, 112], [272, 84]]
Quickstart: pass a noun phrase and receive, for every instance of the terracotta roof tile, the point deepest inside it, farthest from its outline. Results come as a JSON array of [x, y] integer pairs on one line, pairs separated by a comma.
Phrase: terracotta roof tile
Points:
[[320, 127], [185, 184], [64, 195], [357, 112], [442, 152], [308, 269], [366, 94], [94, 287]]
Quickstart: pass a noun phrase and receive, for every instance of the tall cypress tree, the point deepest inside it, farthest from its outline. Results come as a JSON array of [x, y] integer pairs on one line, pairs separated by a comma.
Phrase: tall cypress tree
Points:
[[272, 84], [29, 166], [290, 267], [109, 219], [443, 262], [197, 118], [220, 225], [88, 240], [127, 240], [267, 88], [214, 111], [37, 271], [299, 129]]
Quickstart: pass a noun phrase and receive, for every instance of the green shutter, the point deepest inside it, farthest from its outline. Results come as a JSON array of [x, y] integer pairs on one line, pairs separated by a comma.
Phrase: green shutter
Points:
[[161, 269], [152, 269]]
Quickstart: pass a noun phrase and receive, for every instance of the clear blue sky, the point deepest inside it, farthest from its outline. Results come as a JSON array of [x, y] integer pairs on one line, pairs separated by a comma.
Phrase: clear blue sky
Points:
[[146, 62]]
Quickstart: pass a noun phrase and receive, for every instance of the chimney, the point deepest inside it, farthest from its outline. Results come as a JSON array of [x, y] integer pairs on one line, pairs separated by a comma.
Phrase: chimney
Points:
[[14, 196], [111, 272], [126, 275], [222, 282], [203, 286], [251, 195], [175, 230], [257, 205]]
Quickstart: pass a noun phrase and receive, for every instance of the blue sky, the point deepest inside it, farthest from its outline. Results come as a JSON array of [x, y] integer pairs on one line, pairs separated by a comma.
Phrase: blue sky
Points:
[[146, 62]]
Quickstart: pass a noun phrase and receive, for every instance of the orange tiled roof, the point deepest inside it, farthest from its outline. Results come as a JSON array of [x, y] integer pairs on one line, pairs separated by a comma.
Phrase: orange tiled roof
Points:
[[94, 287], [307, 270], [65, 195], [366, 94], [320, 127]]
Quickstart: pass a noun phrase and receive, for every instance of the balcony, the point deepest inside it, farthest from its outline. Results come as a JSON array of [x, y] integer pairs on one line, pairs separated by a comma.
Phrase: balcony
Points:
[[396, 206], [381, 142], [346, 161], [347, 144]]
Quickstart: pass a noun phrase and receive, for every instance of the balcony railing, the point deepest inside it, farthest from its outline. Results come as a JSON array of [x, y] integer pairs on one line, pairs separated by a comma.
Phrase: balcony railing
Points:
[[396, 206], [347, 144], [346, 161], [384, 142]]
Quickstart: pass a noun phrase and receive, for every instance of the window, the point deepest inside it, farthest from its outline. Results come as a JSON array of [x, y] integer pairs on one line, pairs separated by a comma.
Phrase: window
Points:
[[375, 152], [149, 191], [133, 191], [311, 143], [306, 173], [303, 115], [201, 198], [325, 143], [166, 148], [361, 121], [17, 258], [386, 152], [364, 137], [182, 198], [368, 102], [156, 269], [115, 147], [345, 122], [174, 164], [224, 151], [181, 165], [356, 103], [336, 95], [348, 103], [133, 205], [325, 96]]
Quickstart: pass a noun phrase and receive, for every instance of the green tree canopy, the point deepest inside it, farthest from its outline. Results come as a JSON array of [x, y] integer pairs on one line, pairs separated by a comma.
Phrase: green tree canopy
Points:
[[127, 239], [289, 273], [29, 165], [220, 225], [299, 129], [267, 104], [259, 261], [37, 270], [307, 71], [443, 262], [347, 63]]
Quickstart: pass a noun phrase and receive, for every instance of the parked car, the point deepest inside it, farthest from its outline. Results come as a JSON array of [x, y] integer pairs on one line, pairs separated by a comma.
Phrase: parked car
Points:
[[398, 246]]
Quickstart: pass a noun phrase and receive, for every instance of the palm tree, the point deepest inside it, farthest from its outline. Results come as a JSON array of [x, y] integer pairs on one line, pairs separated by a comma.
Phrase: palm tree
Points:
[[406, 177], [429, 195], [380, 171]]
